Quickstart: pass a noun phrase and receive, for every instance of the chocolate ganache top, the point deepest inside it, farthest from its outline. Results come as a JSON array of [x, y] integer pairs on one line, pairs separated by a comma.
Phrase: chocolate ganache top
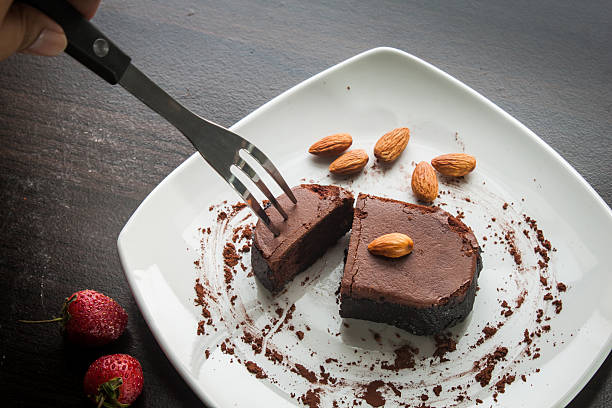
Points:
[[440, 268]]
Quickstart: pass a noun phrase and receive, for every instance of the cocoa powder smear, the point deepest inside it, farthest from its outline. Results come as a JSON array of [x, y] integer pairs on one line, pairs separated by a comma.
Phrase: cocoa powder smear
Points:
[[327, 373], [372, 395]]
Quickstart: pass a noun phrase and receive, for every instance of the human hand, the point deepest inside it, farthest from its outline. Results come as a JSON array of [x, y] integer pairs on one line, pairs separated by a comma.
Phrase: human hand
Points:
[[25, 29]]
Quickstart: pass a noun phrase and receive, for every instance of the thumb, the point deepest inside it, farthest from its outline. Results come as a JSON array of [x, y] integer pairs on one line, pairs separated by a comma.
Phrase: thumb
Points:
[[27, 30]]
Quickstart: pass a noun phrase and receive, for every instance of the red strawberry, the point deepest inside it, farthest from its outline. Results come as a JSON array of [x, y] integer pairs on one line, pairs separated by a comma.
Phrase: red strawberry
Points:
[[114, 380], [90, 318]]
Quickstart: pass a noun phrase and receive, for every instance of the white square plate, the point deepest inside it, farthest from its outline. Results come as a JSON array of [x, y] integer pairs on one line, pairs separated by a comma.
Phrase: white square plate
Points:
[[367, 96]]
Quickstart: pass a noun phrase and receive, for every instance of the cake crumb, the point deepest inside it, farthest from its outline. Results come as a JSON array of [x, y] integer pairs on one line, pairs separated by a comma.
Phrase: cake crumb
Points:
[[444, 344]]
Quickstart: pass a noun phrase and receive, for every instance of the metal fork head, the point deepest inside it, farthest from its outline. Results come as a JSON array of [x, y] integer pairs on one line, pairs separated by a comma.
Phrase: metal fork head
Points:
[[221, 149], [269, 167]]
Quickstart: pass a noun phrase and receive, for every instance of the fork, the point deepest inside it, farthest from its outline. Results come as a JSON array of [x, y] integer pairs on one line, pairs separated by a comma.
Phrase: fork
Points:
[[218, 146]]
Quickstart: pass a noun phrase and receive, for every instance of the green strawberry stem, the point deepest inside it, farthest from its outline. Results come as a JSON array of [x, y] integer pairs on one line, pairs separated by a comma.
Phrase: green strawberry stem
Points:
[[64, 312], [57, 319], [108, 393]]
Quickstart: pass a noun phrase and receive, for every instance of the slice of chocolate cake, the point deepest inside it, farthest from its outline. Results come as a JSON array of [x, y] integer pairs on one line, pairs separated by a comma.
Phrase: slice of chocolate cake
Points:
[[424, 292], [321, 216]]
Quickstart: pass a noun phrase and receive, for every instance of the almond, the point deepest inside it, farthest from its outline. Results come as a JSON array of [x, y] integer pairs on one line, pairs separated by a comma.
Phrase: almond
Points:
[[424, 182], [392, 144], [331, 145], [454, 164], [392, 245], [350, 162]]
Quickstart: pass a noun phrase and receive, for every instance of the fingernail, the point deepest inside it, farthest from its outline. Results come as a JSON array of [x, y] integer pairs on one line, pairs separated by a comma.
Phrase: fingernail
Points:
[[48, 43]]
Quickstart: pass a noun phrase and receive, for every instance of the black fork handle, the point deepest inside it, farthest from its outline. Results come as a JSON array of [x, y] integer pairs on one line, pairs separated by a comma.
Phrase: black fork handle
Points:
[[86, 43]]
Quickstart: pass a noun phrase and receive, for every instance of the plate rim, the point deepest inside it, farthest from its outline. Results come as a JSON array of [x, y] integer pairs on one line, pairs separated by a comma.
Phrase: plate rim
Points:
[[147, 315]]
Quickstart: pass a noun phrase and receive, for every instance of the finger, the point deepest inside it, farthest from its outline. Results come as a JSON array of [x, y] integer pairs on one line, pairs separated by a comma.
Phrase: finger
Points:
[[25, 29], [86, 7], [4, 8]]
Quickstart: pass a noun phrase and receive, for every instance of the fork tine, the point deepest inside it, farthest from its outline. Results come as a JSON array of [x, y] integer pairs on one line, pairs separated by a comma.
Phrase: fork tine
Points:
[[252, 202], [248, 170], [271, 169]]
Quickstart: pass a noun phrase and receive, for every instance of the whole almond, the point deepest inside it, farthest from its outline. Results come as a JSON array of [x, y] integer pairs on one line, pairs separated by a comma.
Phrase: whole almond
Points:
[[350, 162], [424, 182], [454, 164], [331, 145], [392, 245], [392, 144]]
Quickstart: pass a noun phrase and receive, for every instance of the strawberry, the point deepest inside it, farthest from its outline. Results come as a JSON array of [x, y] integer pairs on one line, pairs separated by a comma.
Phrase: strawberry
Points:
[[114, 380], [90, 318]]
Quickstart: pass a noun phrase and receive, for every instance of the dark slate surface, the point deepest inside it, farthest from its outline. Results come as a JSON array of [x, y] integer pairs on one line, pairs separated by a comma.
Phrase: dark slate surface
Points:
[[78, 156]]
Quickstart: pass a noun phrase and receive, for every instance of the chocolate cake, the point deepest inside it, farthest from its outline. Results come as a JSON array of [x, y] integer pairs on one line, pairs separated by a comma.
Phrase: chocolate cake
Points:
[[424, 292], [321, 216]]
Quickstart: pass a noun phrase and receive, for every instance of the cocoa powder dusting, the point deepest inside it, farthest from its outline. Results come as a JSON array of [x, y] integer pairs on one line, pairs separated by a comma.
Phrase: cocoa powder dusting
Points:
[[394, 389], [236, 208], [521, 299], [200, 299], [558, 306], [255, 369], [501, 384], [247, 232], [490, 361], [484, 376], [274, 355], [311, 398], [325, 376], [512, 248], [257, 345], [372, 396], [404, 358], [539, 314], [306, 373], [227, 273], [248, 337], [489, 331], [526, 339], [225, 348], [230, 257]]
